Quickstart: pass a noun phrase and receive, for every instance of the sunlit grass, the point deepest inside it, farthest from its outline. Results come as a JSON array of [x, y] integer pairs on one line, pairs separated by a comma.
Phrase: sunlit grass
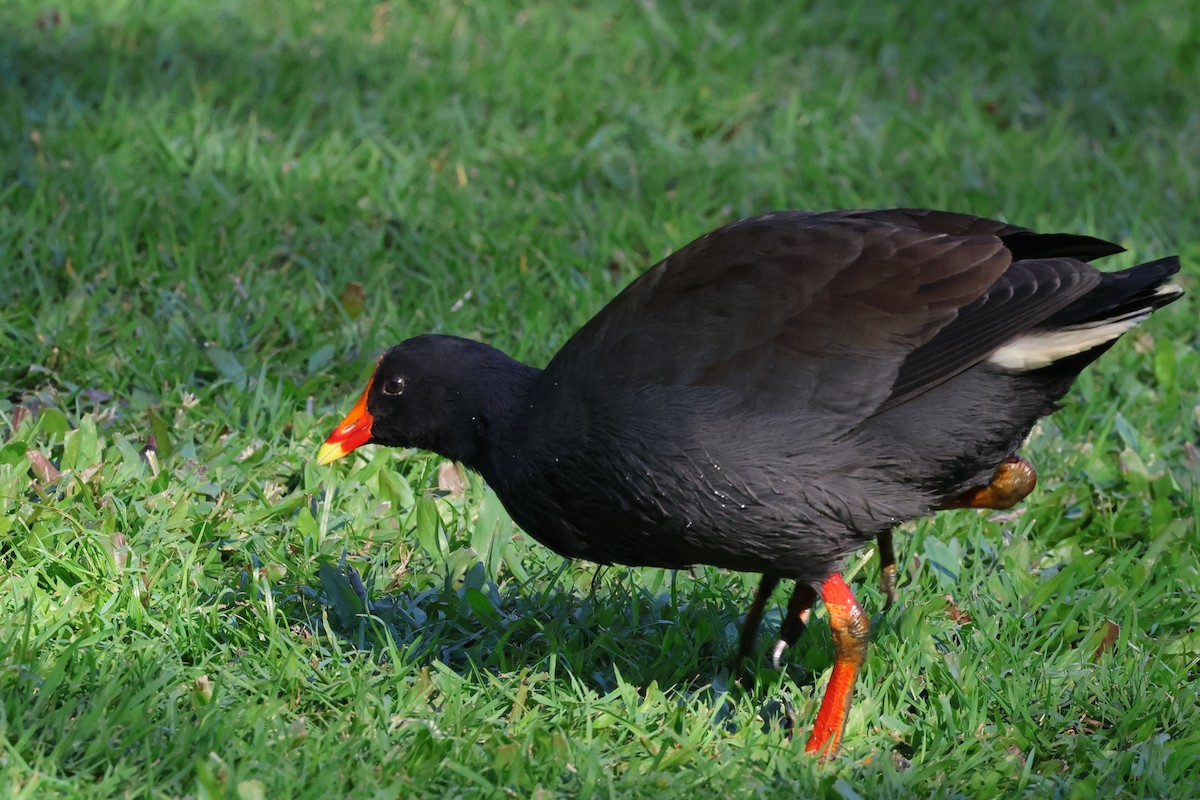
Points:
[[191, 195]]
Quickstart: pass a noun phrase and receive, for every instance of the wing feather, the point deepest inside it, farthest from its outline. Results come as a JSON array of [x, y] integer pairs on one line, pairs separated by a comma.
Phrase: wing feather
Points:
[[799, 310], [847, 312], [1026, 294]]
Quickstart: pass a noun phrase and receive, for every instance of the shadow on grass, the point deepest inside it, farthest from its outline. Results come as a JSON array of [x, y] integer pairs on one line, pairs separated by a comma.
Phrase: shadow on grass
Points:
[[478, 625], [637, 636]]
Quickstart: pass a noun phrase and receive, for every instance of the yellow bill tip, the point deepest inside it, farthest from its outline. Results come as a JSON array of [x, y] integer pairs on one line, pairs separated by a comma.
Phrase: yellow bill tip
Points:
[[330, 452]]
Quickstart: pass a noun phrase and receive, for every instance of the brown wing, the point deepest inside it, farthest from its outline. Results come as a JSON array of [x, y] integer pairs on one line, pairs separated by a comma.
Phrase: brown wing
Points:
[[1026, 294], [792, 310], [930, 221], [1047, 275]]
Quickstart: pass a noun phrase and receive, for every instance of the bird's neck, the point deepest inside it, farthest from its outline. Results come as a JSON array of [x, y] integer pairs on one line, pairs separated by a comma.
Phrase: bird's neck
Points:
[[499, 409]]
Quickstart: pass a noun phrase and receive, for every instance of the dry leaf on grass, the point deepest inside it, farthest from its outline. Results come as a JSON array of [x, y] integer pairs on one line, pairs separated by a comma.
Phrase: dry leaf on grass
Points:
[[452, 479]]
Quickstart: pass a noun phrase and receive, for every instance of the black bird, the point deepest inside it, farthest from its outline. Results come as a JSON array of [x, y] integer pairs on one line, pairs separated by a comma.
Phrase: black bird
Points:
[[775, 395]]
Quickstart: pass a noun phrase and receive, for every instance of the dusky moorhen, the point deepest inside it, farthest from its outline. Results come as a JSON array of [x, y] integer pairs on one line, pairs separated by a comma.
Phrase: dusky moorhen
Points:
[[773, 396]]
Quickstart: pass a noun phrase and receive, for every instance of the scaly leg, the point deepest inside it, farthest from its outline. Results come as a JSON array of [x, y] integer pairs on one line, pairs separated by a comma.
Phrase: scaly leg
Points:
[[754, 617], [887, 568], [849, 626], [1010, 483], [799, 608]]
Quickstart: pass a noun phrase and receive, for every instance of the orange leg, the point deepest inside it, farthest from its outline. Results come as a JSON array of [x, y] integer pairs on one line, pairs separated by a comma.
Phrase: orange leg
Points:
[[1010, 483], [849, 626], [754, 617], [887, 568]]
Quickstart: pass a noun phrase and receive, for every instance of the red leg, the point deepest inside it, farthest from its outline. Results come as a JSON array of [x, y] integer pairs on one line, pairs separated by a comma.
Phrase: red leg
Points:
[[849, 626]]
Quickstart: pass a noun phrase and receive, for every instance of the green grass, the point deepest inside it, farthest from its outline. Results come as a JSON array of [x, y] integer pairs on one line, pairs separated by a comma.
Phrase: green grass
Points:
[[190, 607]]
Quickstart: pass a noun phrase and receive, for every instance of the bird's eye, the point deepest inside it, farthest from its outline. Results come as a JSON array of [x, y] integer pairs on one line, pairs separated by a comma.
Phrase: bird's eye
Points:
[[394, 386]]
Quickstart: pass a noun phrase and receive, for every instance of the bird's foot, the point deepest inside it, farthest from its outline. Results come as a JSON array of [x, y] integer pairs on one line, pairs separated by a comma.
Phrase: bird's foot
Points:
[[1010, 483], [850, 627]]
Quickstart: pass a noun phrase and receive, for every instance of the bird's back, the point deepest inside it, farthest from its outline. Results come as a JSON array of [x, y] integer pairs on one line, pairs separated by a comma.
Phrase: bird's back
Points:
[[785, 388]]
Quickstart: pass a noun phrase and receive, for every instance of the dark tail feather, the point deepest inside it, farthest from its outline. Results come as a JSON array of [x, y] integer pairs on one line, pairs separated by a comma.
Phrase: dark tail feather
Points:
[[1129, 294], [1134, 291], [1027, 244]]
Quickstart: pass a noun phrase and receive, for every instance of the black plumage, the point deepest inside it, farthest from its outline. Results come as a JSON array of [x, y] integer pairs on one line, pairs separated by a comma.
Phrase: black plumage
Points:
[[776, 393]]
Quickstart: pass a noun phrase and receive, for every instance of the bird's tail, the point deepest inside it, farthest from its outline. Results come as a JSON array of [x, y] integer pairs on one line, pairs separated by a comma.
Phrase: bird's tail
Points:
[[1087, 327]]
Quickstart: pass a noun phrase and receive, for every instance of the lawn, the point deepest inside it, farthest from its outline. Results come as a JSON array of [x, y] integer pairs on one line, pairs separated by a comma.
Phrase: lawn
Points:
[[215, 214]]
